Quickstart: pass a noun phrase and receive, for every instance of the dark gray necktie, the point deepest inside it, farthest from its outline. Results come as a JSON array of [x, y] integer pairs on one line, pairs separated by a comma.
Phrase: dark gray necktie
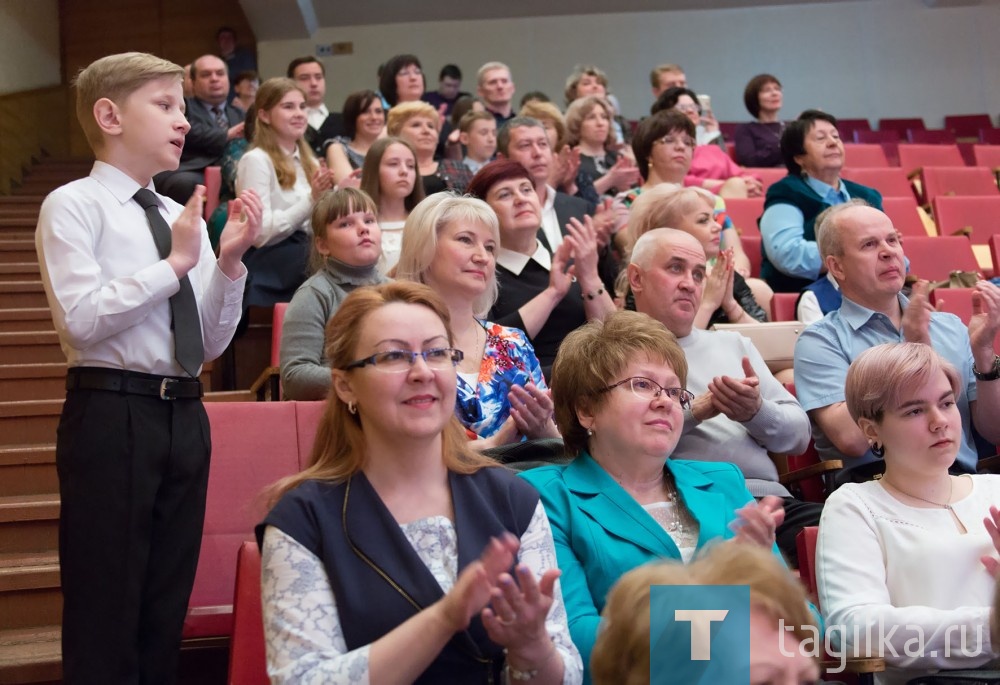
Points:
[[189, 350], [220, 116]]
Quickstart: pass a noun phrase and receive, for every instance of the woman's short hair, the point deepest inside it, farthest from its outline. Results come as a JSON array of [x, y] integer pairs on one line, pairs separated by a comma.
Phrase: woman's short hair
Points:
[[547, 113], [580, 109], [424, 225], [404, 111], [578, 73], [333, 205], [621, 651], [654, 127], [387, 76], [667, 100], [878, 378], [371, 180], [751, 94], [662, 207], [339, 449], [594, 355], [354, 106], [793, 139], [497, 171]]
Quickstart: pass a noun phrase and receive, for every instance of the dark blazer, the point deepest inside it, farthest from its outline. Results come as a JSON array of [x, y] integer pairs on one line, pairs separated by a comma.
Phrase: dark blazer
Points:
[[570, 207], [332, 127], [206, 141]]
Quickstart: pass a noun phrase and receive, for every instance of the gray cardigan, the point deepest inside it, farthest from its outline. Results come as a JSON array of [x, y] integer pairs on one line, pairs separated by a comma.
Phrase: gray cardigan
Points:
[[305, 371]]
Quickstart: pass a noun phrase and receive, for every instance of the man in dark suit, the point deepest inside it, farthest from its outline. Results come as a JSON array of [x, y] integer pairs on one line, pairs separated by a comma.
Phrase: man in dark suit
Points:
[[525, 140], [213, 124], [310, 75]]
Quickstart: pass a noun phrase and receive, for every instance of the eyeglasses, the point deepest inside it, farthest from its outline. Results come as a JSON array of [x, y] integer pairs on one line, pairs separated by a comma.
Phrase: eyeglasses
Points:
[[673, 140], [649, 390], [399, 361], [687, 109]]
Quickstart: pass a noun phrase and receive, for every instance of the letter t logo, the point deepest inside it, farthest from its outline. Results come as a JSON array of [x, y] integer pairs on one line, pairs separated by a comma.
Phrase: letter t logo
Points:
[[701, 626]]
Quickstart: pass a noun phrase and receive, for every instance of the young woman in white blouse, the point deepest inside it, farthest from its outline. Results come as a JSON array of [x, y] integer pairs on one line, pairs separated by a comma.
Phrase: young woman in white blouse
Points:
[[281, 168], [391, 177], [400, 556], [907, 565]]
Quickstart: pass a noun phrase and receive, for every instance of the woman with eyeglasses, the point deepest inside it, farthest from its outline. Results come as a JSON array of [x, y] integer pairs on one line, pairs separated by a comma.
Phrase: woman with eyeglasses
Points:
[[400, 555], [620, 404]]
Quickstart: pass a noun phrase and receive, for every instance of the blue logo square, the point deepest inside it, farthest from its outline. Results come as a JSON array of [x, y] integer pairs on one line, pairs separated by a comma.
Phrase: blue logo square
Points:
[[699, 634]]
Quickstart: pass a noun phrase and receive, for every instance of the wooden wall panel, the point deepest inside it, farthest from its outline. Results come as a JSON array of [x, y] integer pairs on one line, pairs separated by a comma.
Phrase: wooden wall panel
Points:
[[31, 122]]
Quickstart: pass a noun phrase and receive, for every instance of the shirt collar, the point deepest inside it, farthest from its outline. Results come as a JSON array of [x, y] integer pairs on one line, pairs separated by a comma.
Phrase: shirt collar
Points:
[[550, 198], [516, 261], [827, 191], [857, 315], [118, 183], [318, 110], [210, 107]]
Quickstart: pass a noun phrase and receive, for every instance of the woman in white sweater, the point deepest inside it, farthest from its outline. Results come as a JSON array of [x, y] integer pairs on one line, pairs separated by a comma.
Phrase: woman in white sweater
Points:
[[288, 179], [907, 565]]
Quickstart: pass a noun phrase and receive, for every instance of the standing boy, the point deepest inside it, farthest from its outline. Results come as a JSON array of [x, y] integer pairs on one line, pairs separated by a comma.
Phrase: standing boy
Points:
[[139, 302]]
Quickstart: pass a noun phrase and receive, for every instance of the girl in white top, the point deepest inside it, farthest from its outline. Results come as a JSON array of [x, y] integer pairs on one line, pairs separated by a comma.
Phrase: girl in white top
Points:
[[390, 177], [907, 565], [281, 168]]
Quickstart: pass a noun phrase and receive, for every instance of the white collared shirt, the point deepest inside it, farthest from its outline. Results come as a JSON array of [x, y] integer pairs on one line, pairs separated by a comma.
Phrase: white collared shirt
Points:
[[550, 222], [515, 262], [107, 287], [285, 211], [317, 115]]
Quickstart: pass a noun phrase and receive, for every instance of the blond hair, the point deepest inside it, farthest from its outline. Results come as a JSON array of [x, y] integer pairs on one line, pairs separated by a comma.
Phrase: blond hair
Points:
[[546, 113], [471, 117], [654, 75], [115, 77], [662, 206], [404, 111], [621, 652], [580, 109], [424, 226], [489, 66], [828, 228], [340, 447], [594, 355]]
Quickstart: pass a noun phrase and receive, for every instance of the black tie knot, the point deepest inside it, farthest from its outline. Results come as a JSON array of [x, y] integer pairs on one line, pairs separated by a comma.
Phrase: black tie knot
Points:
[[146, 198]]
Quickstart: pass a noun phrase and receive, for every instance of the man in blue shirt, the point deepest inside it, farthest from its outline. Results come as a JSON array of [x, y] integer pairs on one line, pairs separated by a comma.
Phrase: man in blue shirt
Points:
[[862, 250]]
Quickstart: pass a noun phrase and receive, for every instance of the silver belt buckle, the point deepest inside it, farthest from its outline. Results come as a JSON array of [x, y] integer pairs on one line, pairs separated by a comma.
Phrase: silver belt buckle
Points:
[[165, 385]]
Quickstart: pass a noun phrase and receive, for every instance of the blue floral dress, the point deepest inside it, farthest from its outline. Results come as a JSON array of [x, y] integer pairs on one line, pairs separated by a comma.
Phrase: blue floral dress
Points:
[[508, 360]]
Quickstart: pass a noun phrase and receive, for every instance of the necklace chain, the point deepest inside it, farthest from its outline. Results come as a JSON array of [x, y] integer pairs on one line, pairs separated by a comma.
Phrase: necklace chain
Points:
[[946, 505]]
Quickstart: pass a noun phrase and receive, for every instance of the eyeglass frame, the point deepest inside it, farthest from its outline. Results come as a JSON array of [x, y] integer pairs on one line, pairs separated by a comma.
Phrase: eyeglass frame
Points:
[[667, 139], [456, 358], [684, 396]]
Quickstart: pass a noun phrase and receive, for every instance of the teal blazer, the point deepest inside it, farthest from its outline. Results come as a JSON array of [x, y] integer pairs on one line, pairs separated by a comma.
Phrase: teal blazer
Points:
[[601, 532]]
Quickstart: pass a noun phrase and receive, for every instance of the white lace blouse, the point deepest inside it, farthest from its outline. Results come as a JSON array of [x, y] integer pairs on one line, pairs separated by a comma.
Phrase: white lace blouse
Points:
[[305, 642]]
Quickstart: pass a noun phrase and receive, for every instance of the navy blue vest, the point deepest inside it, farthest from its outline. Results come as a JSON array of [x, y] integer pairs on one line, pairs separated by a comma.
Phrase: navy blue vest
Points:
[[793, 190], [827, 295], [376, 575]]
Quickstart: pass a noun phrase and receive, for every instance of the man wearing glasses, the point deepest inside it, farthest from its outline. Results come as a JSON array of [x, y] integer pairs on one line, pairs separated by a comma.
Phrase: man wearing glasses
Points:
[[740, 412]]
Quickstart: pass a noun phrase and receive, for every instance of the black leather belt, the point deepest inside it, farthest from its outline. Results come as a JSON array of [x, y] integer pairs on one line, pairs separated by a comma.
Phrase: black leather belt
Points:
[[133, 383]]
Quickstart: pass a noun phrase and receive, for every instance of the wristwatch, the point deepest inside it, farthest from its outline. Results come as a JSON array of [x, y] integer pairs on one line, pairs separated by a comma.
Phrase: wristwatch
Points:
[[992, 374]]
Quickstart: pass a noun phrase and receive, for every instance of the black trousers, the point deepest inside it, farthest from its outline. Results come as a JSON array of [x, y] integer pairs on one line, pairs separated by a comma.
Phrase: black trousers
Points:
[[798, 515], [133, 473]]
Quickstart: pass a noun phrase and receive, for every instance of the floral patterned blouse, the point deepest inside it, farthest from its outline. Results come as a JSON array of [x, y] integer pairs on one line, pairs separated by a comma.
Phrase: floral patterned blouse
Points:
[[508, 360]]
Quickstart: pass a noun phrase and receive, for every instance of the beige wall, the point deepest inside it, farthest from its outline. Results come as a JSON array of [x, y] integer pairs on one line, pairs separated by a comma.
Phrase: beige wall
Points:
[[29, 45]]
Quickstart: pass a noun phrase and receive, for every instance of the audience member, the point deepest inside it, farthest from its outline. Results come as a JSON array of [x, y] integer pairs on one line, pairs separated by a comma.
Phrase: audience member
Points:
[[391, 178], [418, 123], [534, 96], [237, 59], [814, 156], [402, 80], [346, 247], [696, 108], [863, 251], [448, 144], [213, 124], [450, 244], [478, 135], [245, 86], [758, 143], [188, 82], [589, 80], [619, 391], [538, 294], [310, 75], [280, 168], [496, 88], [139, 302], [565, 168], [228, 166], [449, 90], [911, 559], [782, 630], [711, 166], [741, 413], [393, 556], [666, 76], [588, 121], [364, 122]]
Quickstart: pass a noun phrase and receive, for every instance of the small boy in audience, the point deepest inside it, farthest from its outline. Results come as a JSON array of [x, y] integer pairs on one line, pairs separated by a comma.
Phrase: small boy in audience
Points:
[[139, 302], [478, 134]]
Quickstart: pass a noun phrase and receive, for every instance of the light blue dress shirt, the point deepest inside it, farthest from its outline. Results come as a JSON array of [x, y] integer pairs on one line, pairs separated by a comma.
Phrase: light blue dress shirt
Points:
[[826, 348]]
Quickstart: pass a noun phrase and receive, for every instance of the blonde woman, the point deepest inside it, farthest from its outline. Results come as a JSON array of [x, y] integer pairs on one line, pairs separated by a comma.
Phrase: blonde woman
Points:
[[419, 124]]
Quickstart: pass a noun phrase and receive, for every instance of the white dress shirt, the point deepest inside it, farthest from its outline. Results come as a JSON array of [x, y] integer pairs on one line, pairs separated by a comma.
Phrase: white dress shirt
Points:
[[107, 287], [317, 115], [550, 222], [285, 211]]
